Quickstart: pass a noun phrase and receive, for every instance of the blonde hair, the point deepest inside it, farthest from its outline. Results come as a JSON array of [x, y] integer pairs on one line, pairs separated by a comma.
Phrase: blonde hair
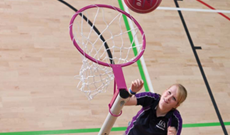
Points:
[[182, 93]]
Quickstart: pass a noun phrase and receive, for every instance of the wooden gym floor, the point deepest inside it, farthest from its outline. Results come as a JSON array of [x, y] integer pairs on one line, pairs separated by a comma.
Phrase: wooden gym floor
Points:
[[38, 63]]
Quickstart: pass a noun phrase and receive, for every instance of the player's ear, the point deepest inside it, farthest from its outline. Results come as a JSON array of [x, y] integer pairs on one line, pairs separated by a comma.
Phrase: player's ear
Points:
[[178, 104]]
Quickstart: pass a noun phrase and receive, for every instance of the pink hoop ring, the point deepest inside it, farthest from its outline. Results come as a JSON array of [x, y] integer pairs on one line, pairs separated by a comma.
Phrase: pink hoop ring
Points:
[[119, 10]]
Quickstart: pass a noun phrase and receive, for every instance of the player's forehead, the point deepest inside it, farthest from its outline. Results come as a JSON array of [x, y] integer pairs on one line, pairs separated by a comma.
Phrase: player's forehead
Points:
[[173, 89]]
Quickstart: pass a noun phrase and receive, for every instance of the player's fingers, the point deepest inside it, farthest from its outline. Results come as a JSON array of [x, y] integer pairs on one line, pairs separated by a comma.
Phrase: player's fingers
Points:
[[133, 84], [138, 82], [171, 130], [141, 82]]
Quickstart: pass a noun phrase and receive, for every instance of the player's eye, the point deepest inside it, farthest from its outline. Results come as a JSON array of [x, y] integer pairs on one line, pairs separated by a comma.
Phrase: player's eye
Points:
[[174, 98]]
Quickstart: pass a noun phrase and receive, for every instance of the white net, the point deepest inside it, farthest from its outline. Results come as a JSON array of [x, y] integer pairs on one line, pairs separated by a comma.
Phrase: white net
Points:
[[102, 34], [93, 78]]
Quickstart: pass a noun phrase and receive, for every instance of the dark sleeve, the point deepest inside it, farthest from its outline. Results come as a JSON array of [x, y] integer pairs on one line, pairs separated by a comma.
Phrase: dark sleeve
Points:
[[177, 122], [146, 98]]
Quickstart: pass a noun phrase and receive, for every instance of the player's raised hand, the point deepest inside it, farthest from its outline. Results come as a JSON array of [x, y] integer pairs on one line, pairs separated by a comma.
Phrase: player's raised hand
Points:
[[137, 85]]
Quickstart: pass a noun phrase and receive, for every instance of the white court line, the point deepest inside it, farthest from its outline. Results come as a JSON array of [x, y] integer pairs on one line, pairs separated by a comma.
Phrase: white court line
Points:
[[149, 83], [193, 9]]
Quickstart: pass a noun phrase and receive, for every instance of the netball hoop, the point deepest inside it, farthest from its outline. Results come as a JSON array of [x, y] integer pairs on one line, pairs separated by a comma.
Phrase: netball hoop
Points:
[[105, 53]]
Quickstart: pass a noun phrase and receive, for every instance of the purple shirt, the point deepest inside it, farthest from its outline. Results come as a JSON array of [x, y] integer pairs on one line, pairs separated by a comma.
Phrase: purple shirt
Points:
[[146, 122]]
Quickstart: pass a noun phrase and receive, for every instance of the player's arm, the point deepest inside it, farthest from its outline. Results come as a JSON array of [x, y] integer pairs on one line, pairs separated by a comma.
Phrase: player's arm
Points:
[[132, 100], [135, 87], [172, 131], [176, 124]]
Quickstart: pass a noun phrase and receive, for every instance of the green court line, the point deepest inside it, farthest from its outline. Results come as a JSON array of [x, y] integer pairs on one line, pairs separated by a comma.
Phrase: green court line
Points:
[[134, 49], [91, 130], [204, 124]]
